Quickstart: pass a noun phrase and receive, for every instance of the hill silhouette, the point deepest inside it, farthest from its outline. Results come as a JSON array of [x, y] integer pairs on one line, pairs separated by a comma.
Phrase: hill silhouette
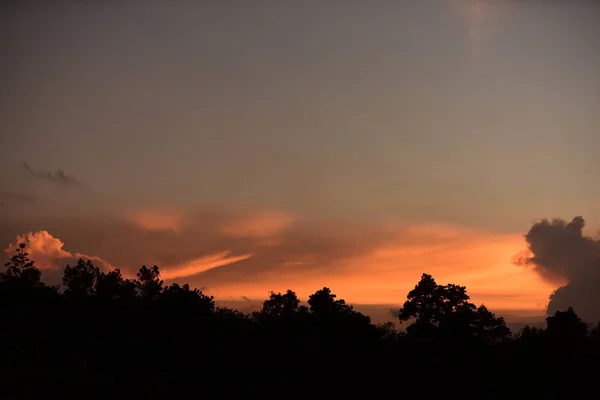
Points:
[[101, 336]]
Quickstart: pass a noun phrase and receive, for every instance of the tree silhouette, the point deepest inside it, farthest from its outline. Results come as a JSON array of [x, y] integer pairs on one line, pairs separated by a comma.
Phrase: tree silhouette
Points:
[[80, 280], [566, 326], [21, 269], [183, 297], [281, 304], [489, 327], [429, 303], [445, 310], [323, 302], [530, 332], [112, 286], [149, 283]]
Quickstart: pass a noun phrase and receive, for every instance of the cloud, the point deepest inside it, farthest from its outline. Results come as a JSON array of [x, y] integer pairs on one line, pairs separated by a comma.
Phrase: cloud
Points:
[[261, 225], [57, 176], [224, 250], [201, 264], [560, 253], [156, 220], [49, 255], [9, 198]]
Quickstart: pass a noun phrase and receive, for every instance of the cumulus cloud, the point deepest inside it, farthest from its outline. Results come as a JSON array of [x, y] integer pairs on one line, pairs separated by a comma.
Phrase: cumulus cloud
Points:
[[560, 253], [49, 255], [57, 176]]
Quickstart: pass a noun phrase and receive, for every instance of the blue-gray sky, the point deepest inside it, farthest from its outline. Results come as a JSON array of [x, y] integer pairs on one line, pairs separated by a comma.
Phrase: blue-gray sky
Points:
[[473, 113]]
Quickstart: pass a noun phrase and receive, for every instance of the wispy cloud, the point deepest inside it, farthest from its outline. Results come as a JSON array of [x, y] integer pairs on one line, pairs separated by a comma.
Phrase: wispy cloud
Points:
[[57, 176], [201, 264]]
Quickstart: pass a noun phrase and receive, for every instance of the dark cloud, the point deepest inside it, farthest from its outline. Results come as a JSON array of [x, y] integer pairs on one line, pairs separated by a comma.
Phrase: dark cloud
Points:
[[57, 176], [559, 252]]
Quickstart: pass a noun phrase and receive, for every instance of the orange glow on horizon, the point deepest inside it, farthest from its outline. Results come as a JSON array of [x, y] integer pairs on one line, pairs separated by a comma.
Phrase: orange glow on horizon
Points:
[[479, 261], [381, 273]]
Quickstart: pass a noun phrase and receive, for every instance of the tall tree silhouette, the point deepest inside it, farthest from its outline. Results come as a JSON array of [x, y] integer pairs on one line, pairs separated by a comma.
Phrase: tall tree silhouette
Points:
[[21, 269]]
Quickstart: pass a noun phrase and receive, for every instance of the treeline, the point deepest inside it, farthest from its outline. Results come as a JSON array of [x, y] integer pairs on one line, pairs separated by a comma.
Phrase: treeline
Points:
[[99, 335]]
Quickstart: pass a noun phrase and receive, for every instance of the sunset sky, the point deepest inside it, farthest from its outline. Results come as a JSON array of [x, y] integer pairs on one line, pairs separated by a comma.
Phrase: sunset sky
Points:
[[253, 146]]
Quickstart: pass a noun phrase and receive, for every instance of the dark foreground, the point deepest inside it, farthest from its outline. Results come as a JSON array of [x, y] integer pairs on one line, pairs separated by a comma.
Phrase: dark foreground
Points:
[[100, 336]]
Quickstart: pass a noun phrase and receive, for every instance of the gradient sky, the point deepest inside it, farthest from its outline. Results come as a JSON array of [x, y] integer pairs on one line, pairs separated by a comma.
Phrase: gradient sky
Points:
[[469, 117]]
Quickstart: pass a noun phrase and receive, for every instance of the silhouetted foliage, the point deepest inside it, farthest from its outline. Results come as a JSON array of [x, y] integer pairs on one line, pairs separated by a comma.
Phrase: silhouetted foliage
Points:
[[112, 286], [105, 336], [20, 270], [444, 311], [323, 302], [80, 280], [149, 283], [489, 327], [182, 297], [281, 304], [566, 326]]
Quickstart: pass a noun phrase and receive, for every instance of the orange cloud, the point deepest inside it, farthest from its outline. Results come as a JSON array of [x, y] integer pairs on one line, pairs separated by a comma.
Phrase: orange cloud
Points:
[[201, 264], [156, 220], [49, 255], [260, 225]]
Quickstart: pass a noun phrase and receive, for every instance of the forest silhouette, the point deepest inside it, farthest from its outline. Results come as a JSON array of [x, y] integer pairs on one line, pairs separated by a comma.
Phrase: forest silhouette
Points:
[[99, 335]]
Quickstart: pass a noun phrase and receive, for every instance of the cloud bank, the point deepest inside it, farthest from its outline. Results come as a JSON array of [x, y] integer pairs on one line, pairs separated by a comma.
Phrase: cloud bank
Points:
[[560, 253], [250, 252]]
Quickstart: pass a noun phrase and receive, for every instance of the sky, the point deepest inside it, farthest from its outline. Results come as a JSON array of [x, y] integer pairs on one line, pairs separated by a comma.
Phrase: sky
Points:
[[253, 146]]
